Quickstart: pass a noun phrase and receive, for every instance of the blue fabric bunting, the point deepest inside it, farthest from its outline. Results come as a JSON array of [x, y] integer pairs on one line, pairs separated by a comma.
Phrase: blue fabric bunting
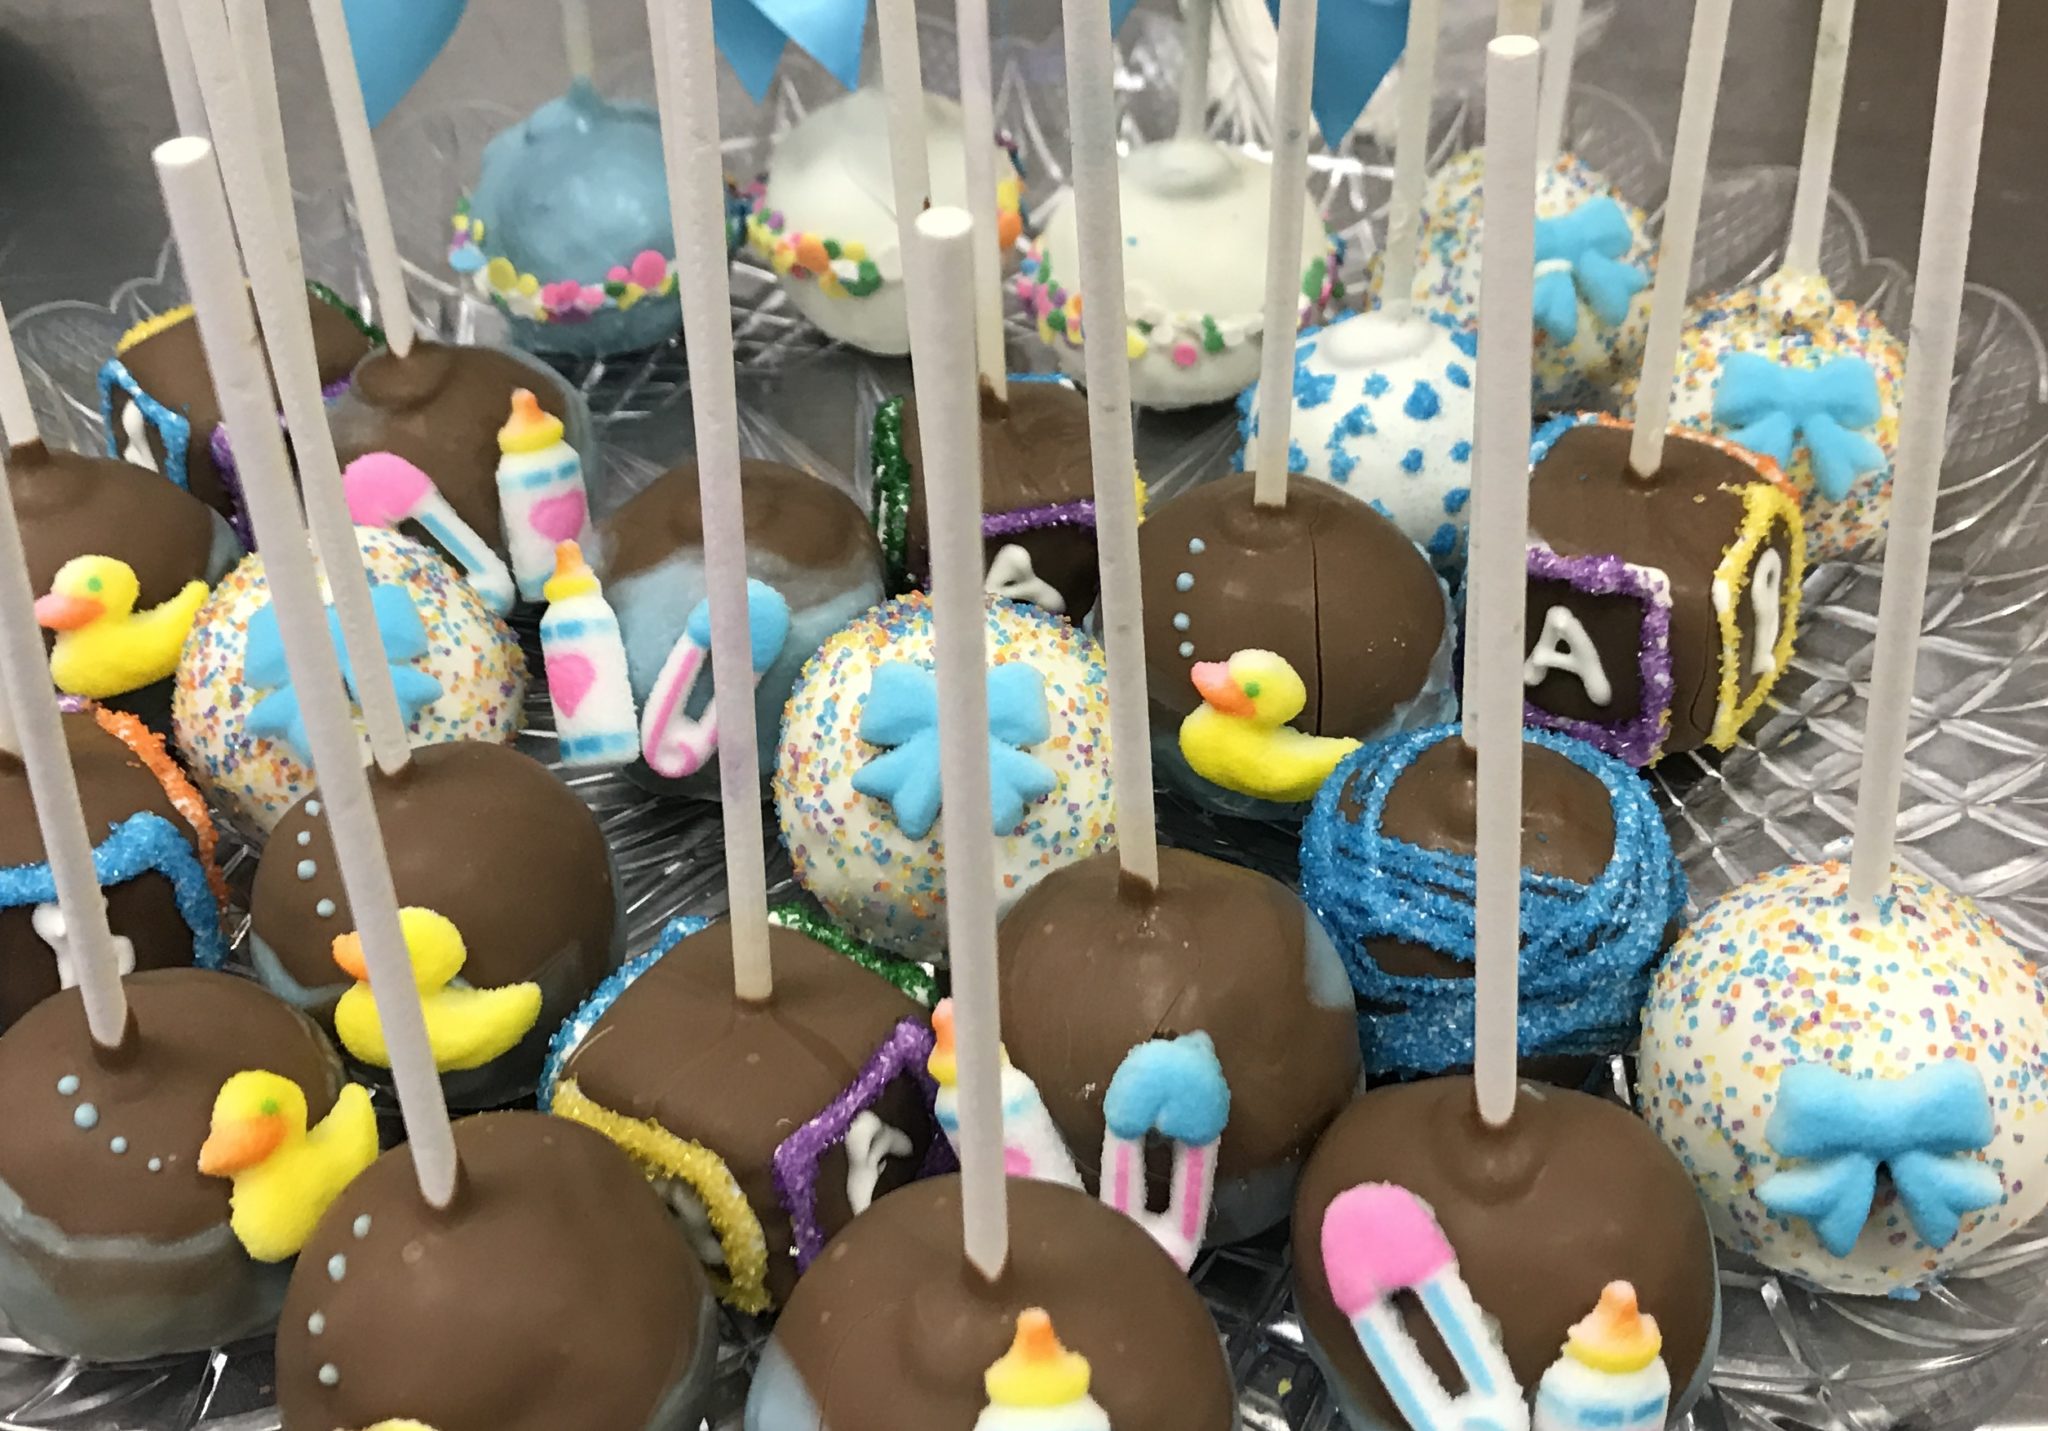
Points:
[[394, 42], [403, 635], [1775, 409], [1358, 42], [1921, 1128], [902, 712], [1579, 259], [754, 33]]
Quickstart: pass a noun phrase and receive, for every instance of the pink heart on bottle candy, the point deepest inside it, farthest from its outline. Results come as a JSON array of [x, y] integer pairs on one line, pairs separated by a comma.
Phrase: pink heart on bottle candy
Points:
[[558, 518], [570, 678]]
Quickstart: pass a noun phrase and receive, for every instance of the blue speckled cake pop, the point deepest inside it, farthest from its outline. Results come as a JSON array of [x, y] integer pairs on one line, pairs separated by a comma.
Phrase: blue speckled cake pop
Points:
[[568, 230], [1386, 863]]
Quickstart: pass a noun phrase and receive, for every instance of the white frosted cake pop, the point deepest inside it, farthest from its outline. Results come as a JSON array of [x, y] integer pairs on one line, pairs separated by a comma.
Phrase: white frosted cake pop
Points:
[[1194, 217], [825, 216]]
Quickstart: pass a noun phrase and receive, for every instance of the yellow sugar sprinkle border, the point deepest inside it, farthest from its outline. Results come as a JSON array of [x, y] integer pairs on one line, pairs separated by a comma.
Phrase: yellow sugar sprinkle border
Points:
[[1764, 504], [150, 327]]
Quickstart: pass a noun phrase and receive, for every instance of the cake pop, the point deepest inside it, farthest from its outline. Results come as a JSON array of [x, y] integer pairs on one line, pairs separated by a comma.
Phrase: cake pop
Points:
[[807, 542], [1387, 866], [824, 218], [160, 410], [464, 824], [855, 775], [1038, 513]]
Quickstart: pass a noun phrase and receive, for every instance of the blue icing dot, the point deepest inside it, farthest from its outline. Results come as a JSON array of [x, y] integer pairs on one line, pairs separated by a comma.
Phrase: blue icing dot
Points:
[[337, 1267], [1461, 452], [1423, 403], [305, 837], [119, 1145], [1197, 546], [1466, 341], [85, 1115], [1184, 582], [1180, 621], [307, 869], [1411, 461], [68, 1084], [1187, 649], [1443, 541], [312, 807], [1377, 384], [1459, 374], [156, 1165], [361, 1227], [1456, 498], [325, 909]]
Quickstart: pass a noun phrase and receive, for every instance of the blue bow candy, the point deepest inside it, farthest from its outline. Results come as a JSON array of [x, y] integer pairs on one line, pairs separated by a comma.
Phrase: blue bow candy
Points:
[[404, 636], [1920, 1128], [1579, 260], [1772, 408], [902, 712]]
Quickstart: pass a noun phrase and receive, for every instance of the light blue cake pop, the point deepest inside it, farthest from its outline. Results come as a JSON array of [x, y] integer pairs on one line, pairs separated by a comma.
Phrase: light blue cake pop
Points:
[[567, 230]]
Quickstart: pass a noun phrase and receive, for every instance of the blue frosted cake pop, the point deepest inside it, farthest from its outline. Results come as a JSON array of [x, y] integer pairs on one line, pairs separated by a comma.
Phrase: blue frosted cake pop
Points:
[[567, 230], [1386, 863]]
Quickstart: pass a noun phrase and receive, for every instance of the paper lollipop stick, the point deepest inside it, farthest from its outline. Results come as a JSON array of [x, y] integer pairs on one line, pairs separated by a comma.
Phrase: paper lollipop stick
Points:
[[1560, 57], [1098, 212], [365, 175], [1823, 124], [1291, 88], [186, 104], [1916, 475], [1411, 159], [696, 187], [1681, 229], [978, 122], [227, 328], [239, 81], [949, 425], [576, 42], [1198, 21], [29, 721], [1519, 17], [17, 416], [903, 89], [1500, 523]]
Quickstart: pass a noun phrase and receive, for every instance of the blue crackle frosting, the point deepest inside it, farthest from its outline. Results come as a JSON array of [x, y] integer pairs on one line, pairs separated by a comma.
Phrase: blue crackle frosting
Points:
[[144, 843], [1587, 949]]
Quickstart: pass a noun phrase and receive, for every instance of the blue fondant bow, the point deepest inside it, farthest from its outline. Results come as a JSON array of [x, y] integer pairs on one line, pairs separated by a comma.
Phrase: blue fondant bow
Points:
[[1357, 43], [1579, 258], [902, 712], [1920, 1128], [1774, 409], [404, 637]]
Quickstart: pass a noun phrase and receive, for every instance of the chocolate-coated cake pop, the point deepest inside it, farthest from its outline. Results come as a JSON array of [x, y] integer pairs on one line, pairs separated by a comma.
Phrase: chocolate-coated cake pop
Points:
[[1038, 502], [440, 408], [1093, 964], [806, 539], [768, 1127], [484, 837], [1661, 611], [156, 853], [1387, 865], [114, 1246], [160, 409], [895, 1328], [553, 1291], [1571, 1194], [1347, 626]]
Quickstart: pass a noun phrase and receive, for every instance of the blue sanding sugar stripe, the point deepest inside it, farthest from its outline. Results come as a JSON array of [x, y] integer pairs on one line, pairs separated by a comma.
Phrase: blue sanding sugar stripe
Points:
[[144, 843]]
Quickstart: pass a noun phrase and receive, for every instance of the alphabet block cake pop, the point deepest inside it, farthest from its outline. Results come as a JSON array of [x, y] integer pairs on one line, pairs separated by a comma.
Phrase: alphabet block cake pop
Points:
[[1793, 1048], [160, 410], [856, 776], [458, 669], [1662, 610]]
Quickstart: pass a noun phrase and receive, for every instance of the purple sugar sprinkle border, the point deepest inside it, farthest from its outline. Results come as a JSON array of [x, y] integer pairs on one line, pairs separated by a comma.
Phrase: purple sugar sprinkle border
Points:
[[1635, 741], [1077, 513], [231, 475]]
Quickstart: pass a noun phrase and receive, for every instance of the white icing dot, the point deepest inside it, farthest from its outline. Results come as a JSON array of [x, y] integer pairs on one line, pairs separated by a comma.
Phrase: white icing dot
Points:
[[316, 1324], [307, 869], [337, 1267], [330, 1375], [68, 1084], [362, 1227], [1184, 582], [305, 837], [156, 1165], [1181, 621], [85, 1115], [119, 1145], [312, 807], [325, 909]]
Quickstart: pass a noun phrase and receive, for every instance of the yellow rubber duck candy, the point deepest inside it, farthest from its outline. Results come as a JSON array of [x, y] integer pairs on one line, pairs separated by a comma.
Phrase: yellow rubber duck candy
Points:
[[105, 647], [285, 1176], [1039, 1385], [466, 1028], [1239, 737]]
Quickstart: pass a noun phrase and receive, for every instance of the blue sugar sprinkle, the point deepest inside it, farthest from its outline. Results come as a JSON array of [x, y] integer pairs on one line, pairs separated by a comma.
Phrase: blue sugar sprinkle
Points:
[[1181, 621], [85, 1115], [1443, 542], [580, 1023], [1460, 376], [1587, 949], [1196, 546], [119, 1145], [1423, 403], [1466, 341], [307, 869], [144, 843], [68, 1084], [1411, 461], [1311, 389], [1461, 452], [1342, 462], [1377, 385], [1297, 457], [325, 909], [1456, 499], [337, 1267], [1184, 582]]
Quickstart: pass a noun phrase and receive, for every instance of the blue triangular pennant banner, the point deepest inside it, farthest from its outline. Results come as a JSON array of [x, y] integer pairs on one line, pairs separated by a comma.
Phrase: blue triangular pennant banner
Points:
[[1357, 43]]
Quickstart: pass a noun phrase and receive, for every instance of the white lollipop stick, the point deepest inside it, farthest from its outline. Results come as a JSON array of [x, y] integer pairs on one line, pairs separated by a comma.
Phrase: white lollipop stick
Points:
[[903, 90], [382, 489], [1823, 124], [1198, 26], [1519, 17], [576, 41], [1098, 212], [1500, 525], [949, 426], [186, 104], [1966, 47], [239, 81], [17, 416], [38, 731], [1560, 57], [227, 328], [365, 175], [1681, 230], [978, 122], [1292, 87], [1411, 159], [696, 187]]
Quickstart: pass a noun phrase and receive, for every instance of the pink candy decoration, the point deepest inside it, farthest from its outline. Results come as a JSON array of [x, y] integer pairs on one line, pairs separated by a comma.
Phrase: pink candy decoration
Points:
[[1185, 354], [650, 270], [1378, 1239], [570, 678], [559, 518], [383, 489]]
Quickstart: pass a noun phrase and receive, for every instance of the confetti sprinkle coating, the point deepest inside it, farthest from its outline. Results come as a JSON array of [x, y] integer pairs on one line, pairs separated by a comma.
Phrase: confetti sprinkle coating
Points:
[[878, 883], [472, 653], [1779, 972]]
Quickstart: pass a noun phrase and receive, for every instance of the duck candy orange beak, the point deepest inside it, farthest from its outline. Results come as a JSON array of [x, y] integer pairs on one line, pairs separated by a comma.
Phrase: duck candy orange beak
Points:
[[1212, 679], [56, 612], [239, 1145]]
